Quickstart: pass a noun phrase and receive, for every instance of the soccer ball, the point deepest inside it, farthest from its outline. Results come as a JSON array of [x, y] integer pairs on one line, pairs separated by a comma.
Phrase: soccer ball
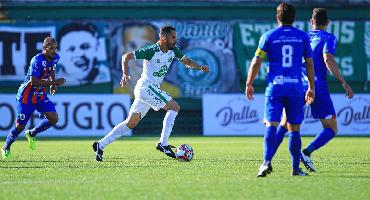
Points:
[[184, 153]]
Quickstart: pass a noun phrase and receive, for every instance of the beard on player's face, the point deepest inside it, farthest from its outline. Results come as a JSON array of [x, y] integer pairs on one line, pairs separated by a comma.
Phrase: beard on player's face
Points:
[[50, 51], [50, 55], [171, 46]]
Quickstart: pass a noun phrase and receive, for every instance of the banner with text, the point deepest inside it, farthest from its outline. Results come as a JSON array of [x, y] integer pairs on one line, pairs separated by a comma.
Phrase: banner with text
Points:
[[352, 52], [79, 115], [232, 114]]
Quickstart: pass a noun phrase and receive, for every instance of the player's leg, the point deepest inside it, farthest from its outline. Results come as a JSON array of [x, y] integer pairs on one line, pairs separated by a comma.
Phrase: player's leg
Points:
[[137, 111], [172, 108], [120, 129], [272, 114], [328, 133], [295, 113], [49, 119], [24, 112], [280, 133], [11, 137], [322, 109], [295, 145], [158, 99], [47, 108]]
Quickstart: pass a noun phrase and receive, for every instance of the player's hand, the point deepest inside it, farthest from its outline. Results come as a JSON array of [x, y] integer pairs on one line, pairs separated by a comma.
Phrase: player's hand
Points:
[[53, 89], [59, 81], [249, 91], [310, 96], [124, 80], [204, 68], [348, 89]]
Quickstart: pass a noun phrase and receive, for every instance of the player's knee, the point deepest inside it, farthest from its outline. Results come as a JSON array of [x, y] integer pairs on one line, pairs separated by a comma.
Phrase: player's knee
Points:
[[131, 124], [331, 123], [132, 121], [284, 123], [268, 124], [53, 120], [20, 127], [177, 107], [334, 129], [173, 105], [293, 127]]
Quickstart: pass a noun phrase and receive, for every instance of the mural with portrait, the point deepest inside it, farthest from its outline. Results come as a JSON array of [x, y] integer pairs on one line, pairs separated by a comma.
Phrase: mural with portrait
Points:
[[83, 57], [128, 37], [206, 42]]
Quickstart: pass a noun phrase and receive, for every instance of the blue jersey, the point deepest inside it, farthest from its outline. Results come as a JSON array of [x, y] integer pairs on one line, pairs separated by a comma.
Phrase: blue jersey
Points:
[[285, 47], [321, 42], [40, 68]]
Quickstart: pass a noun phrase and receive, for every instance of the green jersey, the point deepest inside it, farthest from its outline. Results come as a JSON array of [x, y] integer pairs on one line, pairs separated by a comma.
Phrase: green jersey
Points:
[[156, 63]]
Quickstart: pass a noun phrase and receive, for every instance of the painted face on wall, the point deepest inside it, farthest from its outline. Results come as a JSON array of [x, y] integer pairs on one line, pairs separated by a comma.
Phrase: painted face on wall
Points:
[[137, 37], [78, 50]]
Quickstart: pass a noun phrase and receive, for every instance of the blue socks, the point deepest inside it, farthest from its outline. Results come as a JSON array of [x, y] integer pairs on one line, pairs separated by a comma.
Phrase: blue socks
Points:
[[12, 136], [295, 145], [320, 140], [42, 126], [269, 144], [281, 130]]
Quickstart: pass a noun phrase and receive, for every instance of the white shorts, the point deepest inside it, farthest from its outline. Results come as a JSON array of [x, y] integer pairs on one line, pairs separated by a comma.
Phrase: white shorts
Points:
[[148, 96]]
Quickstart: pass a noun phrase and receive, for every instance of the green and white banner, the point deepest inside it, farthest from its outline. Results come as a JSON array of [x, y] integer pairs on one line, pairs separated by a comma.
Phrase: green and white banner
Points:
[[350, 53]]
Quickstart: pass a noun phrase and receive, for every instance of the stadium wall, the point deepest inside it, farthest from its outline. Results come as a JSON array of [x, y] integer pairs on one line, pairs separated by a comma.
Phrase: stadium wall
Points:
[[222, 35]]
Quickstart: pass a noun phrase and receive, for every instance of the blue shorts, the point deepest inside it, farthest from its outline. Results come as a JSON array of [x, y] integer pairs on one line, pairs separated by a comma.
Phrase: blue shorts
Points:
[[24, 111], [293, 108], [322, 107]]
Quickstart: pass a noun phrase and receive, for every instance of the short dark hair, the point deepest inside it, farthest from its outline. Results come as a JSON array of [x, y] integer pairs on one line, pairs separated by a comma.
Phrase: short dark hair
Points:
[[320, 17], [88, 27], [165, 30], [48, 41], [285, 13]]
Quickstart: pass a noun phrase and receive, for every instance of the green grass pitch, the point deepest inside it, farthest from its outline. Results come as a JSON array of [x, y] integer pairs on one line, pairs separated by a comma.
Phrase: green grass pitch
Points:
[[223, 168]]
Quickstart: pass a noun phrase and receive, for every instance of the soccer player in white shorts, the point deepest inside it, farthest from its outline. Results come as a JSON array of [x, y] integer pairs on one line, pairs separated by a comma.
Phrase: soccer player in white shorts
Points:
[[157, 60]]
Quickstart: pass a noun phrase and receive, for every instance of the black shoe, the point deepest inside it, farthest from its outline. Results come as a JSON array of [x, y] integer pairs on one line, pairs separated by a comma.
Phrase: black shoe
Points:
[[307, 162], [264, 170], [299, 172], [98, 151], [166, 150], [269, 169]]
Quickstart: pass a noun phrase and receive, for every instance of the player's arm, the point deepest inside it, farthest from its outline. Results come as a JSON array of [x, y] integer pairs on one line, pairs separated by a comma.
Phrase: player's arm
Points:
[[310, 94], [310, 70], [125, 59], [53, 87], [192, 64], [253, 72], [46, 82], [332, 66], [36, 71]]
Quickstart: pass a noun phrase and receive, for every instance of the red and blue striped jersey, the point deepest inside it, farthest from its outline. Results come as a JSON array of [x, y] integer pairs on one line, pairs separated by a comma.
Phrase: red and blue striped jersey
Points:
[[40, 68]]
